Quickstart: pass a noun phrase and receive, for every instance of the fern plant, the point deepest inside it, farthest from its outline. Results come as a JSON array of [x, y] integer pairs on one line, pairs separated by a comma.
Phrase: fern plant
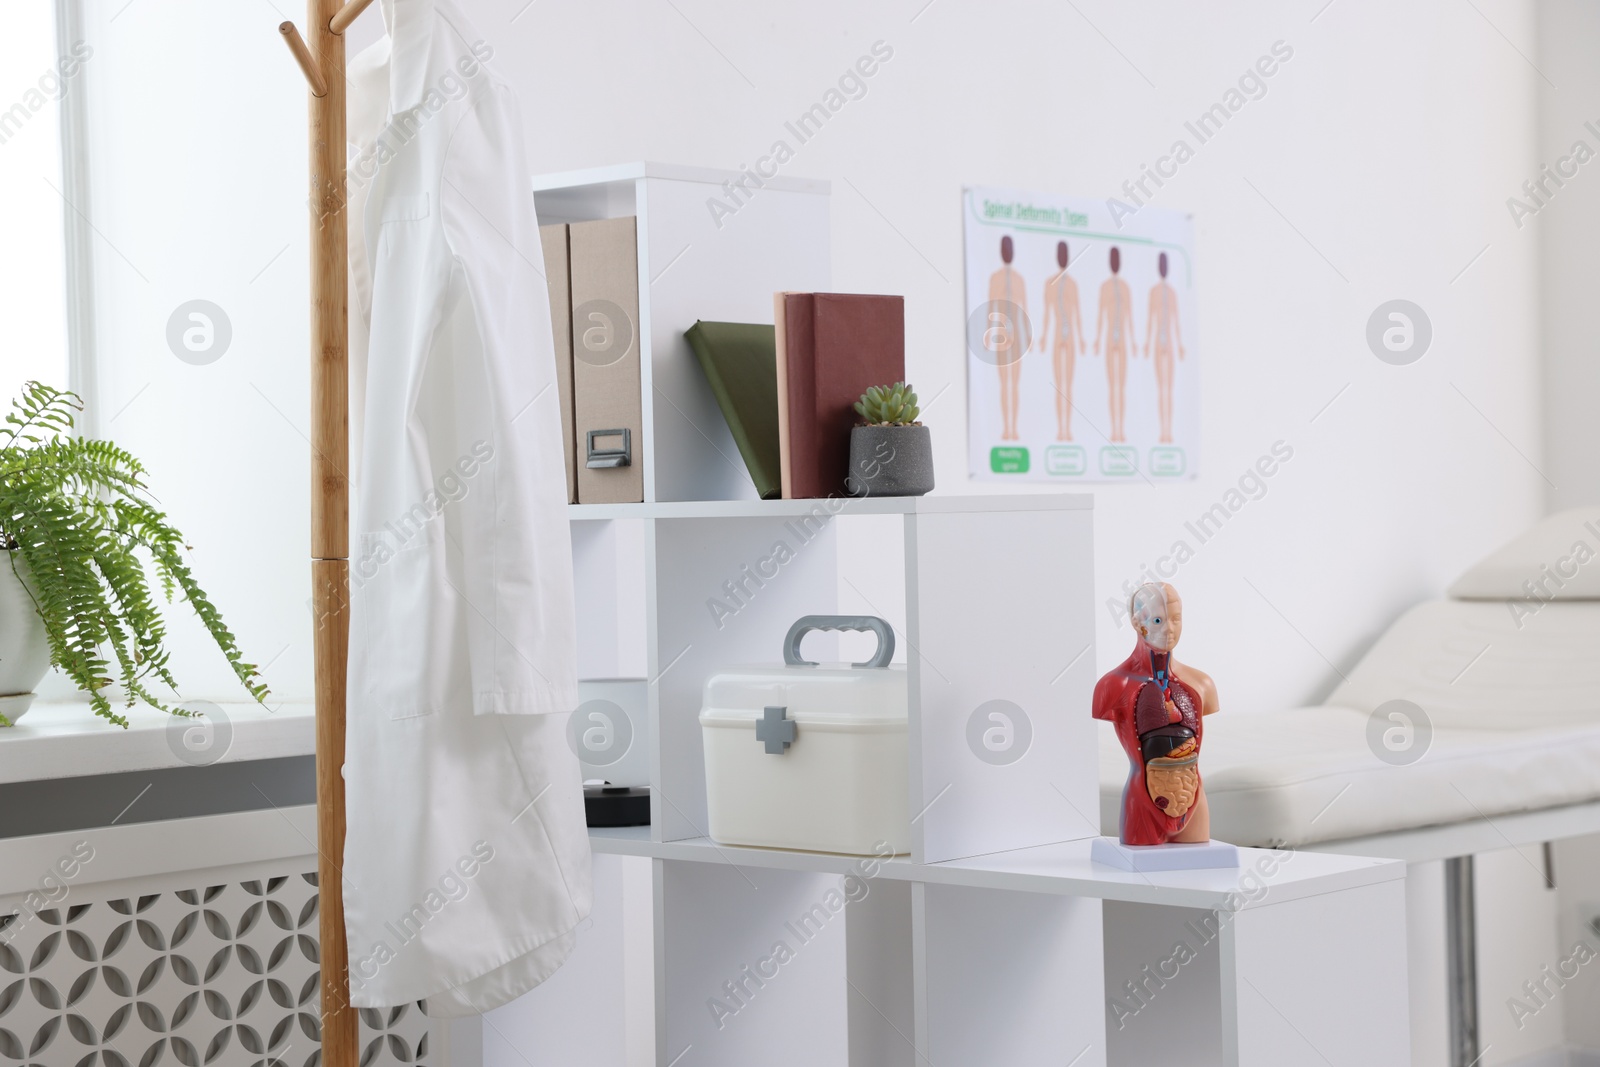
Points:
[[78, 518], [889, 405]]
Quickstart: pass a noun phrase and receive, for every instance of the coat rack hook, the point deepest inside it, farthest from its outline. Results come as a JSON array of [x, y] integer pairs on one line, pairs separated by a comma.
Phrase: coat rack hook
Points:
[[347, 14], [302, 55]]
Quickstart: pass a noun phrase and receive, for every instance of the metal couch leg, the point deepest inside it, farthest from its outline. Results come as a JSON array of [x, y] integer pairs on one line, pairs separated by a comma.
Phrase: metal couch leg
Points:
[[1461, 936]]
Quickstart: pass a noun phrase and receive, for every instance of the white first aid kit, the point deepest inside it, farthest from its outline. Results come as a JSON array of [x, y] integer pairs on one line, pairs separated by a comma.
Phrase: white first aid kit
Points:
[[810, 756]]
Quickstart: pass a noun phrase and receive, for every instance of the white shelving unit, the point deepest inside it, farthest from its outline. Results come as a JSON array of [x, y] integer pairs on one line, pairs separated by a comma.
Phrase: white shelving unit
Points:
[[996, 940], [691, 267]]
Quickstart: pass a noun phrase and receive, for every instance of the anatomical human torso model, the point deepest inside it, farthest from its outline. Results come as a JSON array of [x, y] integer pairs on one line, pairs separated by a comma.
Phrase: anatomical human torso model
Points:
[[1157, 706]]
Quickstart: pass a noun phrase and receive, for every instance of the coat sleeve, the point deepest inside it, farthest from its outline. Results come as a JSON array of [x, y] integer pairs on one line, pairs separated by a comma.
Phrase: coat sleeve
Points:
[[510, 550]]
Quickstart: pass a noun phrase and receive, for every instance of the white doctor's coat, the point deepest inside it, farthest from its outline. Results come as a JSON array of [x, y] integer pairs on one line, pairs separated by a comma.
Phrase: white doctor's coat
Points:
[[466, 857]]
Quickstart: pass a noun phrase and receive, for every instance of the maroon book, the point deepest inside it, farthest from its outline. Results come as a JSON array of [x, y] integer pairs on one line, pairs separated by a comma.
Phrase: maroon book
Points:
[[831, 347]]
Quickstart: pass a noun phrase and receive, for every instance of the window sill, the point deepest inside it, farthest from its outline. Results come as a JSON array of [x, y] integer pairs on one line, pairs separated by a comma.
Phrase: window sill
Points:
[[65, 739]]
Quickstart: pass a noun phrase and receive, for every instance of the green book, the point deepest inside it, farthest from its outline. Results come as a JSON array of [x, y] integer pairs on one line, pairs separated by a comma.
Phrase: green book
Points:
[[741, 364]]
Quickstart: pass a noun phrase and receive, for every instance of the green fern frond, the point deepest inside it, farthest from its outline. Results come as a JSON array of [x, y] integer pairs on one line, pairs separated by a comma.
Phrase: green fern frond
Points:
[[82, 529]]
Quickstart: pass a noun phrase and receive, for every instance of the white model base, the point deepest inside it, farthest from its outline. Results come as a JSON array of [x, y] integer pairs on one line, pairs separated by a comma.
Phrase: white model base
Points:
[[1173, 857]]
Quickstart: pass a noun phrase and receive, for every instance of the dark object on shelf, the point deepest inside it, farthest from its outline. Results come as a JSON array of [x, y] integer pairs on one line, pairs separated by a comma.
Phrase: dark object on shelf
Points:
[[616, 805], [740, 363], [890, 461]]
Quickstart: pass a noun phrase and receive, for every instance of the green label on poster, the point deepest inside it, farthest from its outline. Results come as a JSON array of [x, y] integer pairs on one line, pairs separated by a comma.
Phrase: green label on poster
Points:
[[1119, 460], [1168, 460], [1008, 460], [1065, 459]]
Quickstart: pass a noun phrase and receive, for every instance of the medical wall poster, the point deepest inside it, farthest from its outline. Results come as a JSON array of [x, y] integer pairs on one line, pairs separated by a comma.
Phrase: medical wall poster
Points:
[[1083, 353]]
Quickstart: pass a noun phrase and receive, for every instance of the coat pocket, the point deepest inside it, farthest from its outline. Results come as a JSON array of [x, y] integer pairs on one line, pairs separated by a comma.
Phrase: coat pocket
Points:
[[394, 588]]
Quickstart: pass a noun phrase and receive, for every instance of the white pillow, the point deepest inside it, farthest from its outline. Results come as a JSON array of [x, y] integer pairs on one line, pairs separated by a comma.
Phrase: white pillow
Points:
[[1560, 556]]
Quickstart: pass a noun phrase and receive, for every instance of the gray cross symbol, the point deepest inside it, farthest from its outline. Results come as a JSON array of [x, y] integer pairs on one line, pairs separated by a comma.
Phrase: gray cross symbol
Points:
[[775, 730]]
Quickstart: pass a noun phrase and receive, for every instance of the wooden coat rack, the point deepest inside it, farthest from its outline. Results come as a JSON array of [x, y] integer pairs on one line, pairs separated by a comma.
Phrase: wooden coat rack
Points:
[[321, 58]]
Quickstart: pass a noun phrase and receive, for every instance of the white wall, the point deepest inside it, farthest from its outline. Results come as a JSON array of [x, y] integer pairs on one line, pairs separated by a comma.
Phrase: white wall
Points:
[[1578, 885], [1569, 34], [1520, 934]]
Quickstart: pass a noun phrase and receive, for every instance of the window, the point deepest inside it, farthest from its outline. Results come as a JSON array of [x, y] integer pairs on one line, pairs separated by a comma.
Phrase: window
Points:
[[34, 76]]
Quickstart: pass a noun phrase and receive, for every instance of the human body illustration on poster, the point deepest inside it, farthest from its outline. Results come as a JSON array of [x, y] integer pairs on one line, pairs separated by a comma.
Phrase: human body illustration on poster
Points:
[[1082, 339]]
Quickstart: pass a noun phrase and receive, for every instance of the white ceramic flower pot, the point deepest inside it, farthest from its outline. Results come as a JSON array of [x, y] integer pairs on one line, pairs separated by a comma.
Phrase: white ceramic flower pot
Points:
[[24, 650]]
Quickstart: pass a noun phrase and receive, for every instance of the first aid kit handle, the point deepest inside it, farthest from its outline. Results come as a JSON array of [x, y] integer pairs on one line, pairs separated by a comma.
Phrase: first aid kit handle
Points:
[[871, 623]]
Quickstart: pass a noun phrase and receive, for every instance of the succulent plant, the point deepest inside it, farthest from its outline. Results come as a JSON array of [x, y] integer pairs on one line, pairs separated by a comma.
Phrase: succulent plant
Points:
[[889, 405]]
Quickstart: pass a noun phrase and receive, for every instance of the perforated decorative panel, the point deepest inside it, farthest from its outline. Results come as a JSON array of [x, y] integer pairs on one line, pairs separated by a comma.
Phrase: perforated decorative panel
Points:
[[220, 974]]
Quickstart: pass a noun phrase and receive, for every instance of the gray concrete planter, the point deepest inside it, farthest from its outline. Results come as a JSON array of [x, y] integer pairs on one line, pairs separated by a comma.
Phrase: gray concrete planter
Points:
[[890, 461], [24, 650]]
